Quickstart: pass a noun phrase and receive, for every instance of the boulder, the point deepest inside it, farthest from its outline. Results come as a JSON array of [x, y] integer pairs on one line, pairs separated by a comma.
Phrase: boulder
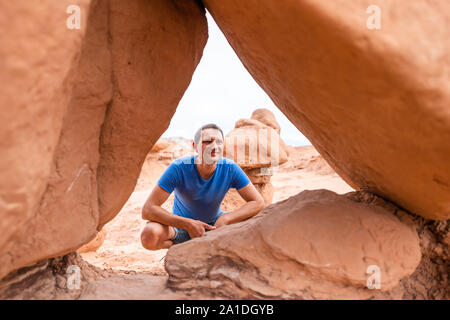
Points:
[[85, 108], [259, 175], [249, 123], [256, 147], [252, 144], [39, 59], [315, 245], [267, 117], [233, 200], [374, 103], [156, 47], [160, 145]]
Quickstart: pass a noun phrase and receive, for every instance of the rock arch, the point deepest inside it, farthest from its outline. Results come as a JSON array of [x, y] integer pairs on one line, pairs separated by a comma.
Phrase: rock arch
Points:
[[375, 104]]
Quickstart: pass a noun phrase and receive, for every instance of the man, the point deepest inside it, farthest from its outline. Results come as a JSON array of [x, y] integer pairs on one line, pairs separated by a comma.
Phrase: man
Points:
[[200, 183]]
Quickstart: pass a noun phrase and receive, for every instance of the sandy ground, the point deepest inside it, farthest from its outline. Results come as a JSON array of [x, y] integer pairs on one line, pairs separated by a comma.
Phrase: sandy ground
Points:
[[140, 273]]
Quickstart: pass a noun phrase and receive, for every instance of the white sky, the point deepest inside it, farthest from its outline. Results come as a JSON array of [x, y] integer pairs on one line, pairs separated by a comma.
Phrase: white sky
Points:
[[222, 91]]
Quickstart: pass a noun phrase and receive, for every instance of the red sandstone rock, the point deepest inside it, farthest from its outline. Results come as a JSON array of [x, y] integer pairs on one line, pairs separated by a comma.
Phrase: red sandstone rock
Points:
[[374, 103], [160, 145], [315, 245], [156, 47], [253, 144], [266, 117], [38, 59], [71, 157], [95, 243]]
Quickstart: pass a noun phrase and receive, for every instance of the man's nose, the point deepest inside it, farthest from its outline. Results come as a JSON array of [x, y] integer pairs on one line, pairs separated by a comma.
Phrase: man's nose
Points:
[[214, 144]]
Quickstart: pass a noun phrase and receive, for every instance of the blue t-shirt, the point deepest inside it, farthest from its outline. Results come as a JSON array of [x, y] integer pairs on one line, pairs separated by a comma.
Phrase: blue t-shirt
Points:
[[195, 197]]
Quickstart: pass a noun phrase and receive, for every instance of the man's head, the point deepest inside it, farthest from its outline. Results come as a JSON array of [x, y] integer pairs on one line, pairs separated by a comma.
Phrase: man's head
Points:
[[208, 142]]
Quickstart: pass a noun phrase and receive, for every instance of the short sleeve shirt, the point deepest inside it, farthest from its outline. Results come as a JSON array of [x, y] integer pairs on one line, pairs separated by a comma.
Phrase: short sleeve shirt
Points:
[[199, 198]]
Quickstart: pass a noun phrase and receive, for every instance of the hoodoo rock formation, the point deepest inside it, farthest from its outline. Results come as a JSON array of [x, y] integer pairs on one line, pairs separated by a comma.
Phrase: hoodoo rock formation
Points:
[[256, 146]]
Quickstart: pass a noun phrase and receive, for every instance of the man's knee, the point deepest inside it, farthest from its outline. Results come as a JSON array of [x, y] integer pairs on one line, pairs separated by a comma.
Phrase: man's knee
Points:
[[151, 237]]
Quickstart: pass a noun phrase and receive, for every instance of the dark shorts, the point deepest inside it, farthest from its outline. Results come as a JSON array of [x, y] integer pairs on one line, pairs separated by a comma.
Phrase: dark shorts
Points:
[[182, 235]]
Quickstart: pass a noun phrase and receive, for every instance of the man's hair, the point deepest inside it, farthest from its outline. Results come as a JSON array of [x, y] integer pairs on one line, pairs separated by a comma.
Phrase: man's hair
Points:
[[206, 126]]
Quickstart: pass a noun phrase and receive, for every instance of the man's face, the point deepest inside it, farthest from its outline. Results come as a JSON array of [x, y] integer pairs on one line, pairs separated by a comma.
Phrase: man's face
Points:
[[210, 146]]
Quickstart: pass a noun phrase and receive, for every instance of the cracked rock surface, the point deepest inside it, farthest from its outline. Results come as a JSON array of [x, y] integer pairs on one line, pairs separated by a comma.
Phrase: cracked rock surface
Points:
[[315, 245]]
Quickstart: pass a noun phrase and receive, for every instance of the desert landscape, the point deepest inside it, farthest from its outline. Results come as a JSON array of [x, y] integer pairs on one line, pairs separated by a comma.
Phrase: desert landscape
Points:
[[362, 213], [122, 251]]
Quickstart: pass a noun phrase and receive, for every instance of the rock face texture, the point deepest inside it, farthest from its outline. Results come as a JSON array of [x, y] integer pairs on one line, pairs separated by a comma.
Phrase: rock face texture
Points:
[[39, 55], [315, 245], [82, 110], [49, 280], [374, 103], [95, 243]]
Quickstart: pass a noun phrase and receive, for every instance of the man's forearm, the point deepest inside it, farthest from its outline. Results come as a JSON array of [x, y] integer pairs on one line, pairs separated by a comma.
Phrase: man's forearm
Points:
[[158, 214], [248, 210]]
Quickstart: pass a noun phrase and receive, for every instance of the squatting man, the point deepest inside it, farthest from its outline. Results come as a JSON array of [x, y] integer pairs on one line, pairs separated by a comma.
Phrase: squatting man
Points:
[[200, 183]]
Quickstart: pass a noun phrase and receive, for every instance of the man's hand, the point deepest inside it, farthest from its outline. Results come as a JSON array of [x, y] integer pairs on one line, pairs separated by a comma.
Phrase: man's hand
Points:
[[221, 221], [196, 228]]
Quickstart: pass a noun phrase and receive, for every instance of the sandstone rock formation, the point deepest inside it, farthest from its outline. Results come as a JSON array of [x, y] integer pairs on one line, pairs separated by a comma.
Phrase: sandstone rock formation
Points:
[[306, 158], [49, 279], [81, 109], [268, 118], [95, 243], [170, 149], [252, 144], [315, 245], [39, 56], [160, 145], [88, 105], [256, 147], [373, 102], [140, 111]]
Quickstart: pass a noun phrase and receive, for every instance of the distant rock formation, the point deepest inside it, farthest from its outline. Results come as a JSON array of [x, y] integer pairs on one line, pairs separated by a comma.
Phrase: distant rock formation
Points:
[[256, 147], [169, 149]]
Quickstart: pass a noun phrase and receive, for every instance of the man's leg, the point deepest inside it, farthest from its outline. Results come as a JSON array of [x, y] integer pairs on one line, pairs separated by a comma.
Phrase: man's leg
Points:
[[157, 236]]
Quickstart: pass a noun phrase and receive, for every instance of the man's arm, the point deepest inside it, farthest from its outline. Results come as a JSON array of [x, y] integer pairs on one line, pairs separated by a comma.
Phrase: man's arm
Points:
[[255, 203], [153, 211]]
